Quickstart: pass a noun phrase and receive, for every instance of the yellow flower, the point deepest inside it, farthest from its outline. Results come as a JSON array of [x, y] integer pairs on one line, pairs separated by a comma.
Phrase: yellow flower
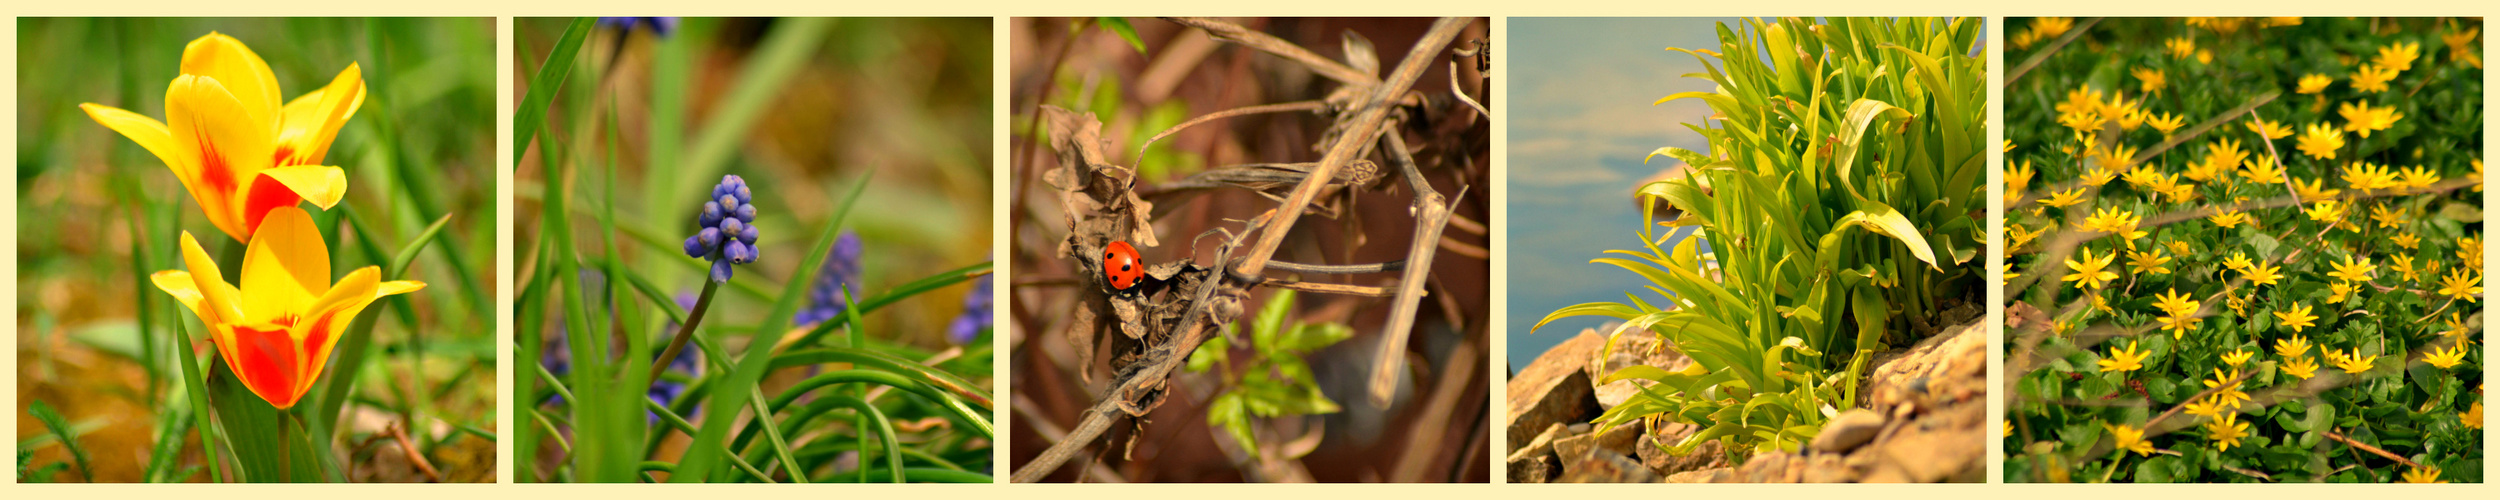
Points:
[[2018, 177], [2090, 272], [2123, 360], [2181, 47], [2353, 269], [2386, 217], [2403, 264], [2237, 262], [2314, 189], [2464, 284], [2325, 211], [2228, 393], [2363, 119], [2423, 475], [2174, 303], [2354, 363], [2300, 367], [2237, 358], [2264, 274], [2446, 358], [276, 331], [2342, 292], [2021, 235], [2064, 199], [2130, 439], [2151, 78], [2113, 220], [2164, 122], [2116, 159], [238, 149], [2314, 83], [2099, 175], [2269, 130], [2473, 416], [2228, 220], [2083, 99], [2297, 318], [2398, 56], [2366, 176], [2226, 431], [2470, 250], [2178, 326], [2417, 177], [2407, 240], [2051, 27], [2262, 169], [2203, 408], [2321, 140], [2370, 78], [2152, 262]]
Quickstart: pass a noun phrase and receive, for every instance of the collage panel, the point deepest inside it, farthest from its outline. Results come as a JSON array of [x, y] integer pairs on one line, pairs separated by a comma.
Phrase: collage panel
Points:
[[1250, 250], [230, 309], [2285, 283], [780, 229], [1754, 256]]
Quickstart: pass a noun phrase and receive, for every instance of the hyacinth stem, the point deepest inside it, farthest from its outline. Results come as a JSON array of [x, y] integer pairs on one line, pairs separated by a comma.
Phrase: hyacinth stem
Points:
[[685, 332]]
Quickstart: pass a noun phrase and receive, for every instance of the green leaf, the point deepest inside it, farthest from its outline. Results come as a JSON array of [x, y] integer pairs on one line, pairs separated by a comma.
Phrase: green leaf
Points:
[[1119, 26], [543, 86]]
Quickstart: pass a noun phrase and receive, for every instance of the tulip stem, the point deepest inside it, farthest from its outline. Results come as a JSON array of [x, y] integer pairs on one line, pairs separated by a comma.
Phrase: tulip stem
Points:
[[286, 447], [684, 332]]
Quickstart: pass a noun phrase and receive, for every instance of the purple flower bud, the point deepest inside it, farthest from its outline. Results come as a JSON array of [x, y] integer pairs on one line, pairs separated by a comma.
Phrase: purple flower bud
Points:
[[746, 212], [732, 227], [728, 203], [748, 235], [738, 252], [720, 271], [694, 247], [710, 238], [712, 214]]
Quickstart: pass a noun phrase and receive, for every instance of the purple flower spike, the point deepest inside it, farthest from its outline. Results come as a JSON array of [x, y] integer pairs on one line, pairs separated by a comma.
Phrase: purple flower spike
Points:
[[727, 235]]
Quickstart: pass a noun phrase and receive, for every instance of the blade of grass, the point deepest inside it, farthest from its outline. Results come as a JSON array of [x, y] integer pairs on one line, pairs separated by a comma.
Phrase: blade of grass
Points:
[[784, 51], [198, 396], [885, 433], [60, 428], [551, 74], [897, 294]]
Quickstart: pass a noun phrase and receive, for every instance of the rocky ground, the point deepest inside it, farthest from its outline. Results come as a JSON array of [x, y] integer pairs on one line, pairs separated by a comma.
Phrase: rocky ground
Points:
[[1924, 421]]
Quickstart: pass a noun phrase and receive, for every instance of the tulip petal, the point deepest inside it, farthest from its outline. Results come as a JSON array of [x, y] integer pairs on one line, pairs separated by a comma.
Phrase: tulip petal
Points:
[[179, 285], [286, 267], [223, 301], [329, 316], [219, 138], [268, 361], [312, 120], [241, 71], [148, 132], [390, 288], [323, 186]]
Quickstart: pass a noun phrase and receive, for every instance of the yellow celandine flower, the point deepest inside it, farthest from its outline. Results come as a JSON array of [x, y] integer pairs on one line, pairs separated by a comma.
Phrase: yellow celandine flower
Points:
[[2164, 122], [2237, 358], [2018, 177], [238, 149], [2262, 169], [2321, 140], [2407, 240], [2228, 394], [2297, 318], [2366, 176], [2081, 122], [2152, 262], [2353, 363], [2418, 177], [2353, 268], [2151, 79], [2386, 217], [2363, 119], [2237, 262], [276, 331], [2113, 220], [2300, 367], [2100, 175], [2328, 211], [2203, 408], [2180, 248], [2239, 306], [2268, 130], [2470, 250], [2123, 359], [2181, 47], [2398, 56], [2371, 78], [2128, 114], [2460, 40], [2403, 264], [2130, 438], [2263, 274], [2456, 328], [2117, 159], [2178, 326], [2226, 431], [2090, 272], [2446, 358], [2204, 170], [2174, 303], [2342, 292], [2297, 346], [2021, 235], [2064, 199], [2473, 416], [2009, 146], [2423, 475], [2314, 189], [2083, 99], [2227, 220], [2314, 83], [2464, 284], [2225, 153]]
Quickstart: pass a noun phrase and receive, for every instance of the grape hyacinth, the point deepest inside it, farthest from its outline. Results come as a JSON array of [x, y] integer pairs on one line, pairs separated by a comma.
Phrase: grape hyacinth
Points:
[[841, 273], [976, 316], [660, 26], [728, 222]]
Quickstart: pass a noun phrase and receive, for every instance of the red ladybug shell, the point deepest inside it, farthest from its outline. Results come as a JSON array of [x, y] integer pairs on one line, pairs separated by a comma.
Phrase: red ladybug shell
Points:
[[1121, 267]]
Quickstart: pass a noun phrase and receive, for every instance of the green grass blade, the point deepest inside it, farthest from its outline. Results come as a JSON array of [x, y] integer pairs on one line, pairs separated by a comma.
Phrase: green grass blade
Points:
[[897, 294], [551, 74], [885, 432], [784, 51], [198, 396], [69, 438]]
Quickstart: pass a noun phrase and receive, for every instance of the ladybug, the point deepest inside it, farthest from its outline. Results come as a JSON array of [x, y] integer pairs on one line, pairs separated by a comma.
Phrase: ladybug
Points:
[[1121, 267]]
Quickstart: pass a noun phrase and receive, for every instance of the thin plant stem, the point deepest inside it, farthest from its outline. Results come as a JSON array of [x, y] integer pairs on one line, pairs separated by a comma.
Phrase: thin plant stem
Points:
[[685, 331]]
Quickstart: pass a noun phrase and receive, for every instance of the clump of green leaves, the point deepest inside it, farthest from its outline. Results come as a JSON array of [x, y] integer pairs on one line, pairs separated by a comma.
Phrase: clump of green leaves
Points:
[[2199, 296], [1837, 196], [1274, 381]]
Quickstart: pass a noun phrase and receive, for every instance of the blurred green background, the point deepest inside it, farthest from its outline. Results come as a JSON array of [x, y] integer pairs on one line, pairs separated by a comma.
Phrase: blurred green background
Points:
[[97, 214]]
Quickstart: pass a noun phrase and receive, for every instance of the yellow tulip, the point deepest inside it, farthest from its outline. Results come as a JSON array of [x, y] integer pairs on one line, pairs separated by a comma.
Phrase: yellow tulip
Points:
[[277, 330], [239, 152]]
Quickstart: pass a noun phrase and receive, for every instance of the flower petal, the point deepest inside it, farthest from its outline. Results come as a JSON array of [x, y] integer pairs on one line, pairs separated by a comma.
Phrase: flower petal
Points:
[[230, 62], [323, 186], [224, 302], [218, 137], [268, 360], [148, 132], [179, 285], [319, 331], [286, 267], [312, 120], [390, 288]]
